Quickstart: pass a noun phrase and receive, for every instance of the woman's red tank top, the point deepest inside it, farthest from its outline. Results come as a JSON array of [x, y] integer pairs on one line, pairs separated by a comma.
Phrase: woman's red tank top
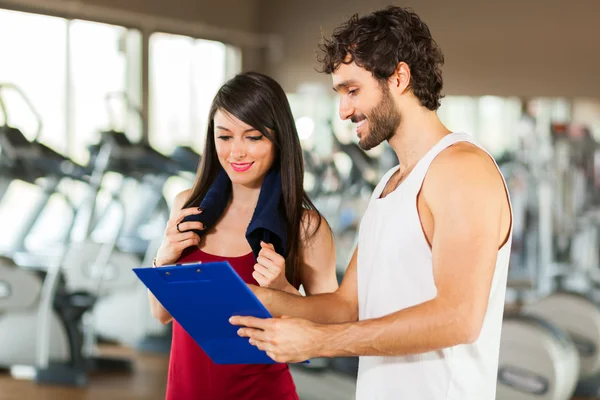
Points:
[[192, 374]]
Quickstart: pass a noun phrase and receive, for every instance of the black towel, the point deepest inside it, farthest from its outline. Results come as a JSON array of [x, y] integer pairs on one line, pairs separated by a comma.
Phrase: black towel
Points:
[[268, 223]]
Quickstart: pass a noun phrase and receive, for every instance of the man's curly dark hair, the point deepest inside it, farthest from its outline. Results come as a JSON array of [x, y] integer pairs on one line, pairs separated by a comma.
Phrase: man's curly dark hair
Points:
[[381, 40]]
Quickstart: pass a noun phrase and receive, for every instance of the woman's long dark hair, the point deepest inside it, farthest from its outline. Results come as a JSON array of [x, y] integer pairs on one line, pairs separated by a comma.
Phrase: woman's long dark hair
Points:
[[260, 102]]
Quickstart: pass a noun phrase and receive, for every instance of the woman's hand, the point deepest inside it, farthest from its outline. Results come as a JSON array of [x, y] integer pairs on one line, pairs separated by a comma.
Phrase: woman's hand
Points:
[[178, 237], [269, 270]]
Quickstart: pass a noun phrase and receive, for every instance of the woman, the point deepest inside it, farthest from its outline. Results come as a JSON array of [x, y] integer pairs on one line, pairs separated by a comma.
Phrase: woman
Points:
[[251, 132]]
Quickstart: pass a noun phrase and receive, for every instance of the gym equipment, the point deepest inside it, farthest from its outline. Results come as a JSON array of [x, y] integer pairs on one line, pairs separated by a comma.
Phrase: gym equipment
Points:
[[19, 304], [574, 309], [567, 251], [537, 361], [143, 173], [579, 317], [538, 357], [94, 264], [186, 159], [321, 175], [90, 295], [47, 329], [34, 163], [363, 172], [574, 305], [139, 162]]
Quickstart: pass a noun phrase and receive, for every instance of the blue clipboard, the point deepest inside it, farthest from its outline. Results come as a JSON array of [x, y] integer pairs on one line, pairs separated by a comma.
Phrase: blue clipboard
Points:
[[202, 297]]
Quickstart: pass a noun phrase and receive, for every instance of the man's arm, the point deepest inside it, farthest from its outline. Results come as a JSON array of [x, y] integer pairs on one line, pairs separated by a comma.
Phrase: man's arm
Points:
[[336, 307], [467, 214]]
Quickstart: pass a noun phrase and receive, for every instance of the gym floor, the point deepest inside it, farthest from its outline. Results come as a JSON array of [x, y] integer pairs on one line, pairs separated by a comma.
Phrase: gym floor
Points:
[[148, 382]]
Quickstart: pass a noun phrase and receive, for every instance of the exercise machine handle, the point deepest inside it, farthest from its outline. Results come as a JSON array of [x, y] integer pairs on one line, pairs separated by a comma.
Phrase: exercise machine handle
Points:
[[15, 88], [128, 104]]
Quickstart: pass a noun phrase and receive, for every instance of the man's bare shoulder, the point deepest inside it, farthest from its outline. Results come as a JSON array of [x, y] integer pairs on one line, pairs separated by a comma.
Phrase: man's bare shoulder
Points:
[[463, 167]]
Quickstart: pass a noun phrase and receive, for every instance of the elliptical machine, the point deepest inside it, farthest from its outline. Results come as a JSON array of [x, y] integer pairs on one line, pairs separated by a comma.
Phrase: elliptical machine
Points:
[[142, 173], [573, 305], [43, 320], [538, 359], [21, 303]]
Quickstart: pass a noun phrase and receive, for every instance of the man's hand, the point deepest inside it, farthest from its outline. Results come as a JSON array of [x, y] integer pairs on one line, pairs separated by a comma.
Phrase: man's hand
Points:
[[285, 339]]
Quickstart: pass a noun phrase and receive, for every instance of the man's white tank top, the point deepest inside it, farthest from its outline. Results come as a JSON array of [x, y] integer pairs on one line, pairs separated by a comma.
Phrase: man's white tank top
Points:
[[394, 273]]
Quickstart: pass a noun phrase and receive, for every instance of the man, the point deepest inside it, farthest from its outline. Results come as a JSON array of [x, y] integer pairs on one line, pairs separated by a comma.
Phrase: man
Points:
[[422, 299]]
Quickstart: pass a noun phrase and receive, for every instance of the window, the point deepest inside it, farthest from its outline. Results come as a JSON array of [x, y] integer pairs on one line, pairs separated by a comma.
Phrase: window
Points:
[[35, 63], [99, 56], [185, 74], [34, 59], [492, 121], [497, 123], [65, 68], [68, 67], [459, 113]]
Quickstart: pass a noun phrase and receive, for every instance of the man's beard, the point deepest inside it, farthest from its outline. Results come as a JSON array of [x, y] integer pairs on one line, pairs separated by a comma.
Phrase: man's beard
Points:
[[384, 120]]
